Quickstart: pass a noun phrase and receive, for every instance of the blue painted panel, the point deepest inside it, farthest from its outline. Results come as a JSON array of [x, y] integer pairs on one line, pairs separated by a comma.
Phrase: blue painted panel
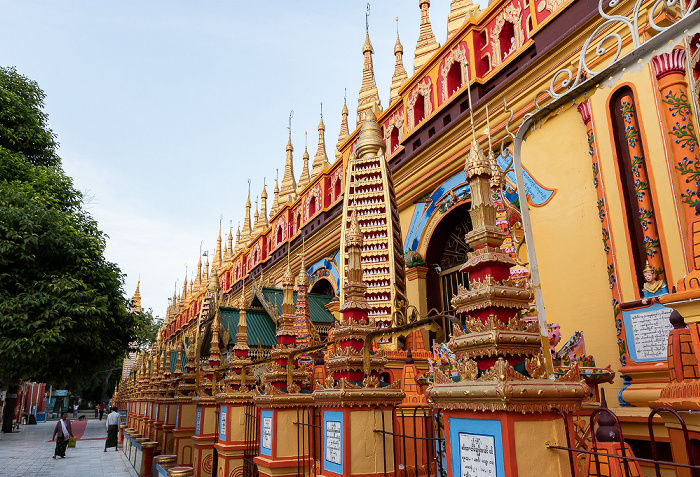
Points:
[[198, 424], [266, 433], [222, 423], [662, 327], [333, 434], [489, 428], [177, 416]]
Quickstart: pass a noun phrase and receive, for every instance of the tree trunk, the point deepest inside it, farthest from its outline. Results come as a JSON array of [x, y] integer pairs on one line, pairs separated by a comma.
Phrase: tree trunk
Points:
[[10, 403], [105, 384]]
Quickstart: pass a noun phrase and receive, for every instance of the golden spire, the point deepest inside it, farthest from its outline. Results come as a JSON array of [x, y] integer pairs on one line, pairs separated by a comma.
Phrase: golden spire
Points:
[[303, 277], [304, 178], [344, 132], [217, 254], [256, 219], [400, 75], [264, 223], [289, 184], [205, 279], [286, 322], [369, 95], [275, 200], [242, 334], [426, 39], [320, 159], [136, 299], [247, 231], [238, 240], [370, 139], [229, 250], [198, 281], [460, 10]]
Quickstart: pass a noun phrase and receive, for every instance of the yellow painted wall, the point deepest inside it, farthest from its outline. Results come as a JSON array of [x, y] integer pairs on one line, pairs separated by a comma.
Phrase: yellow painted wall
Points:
[[366, 445], [567, 234], [534, 459]]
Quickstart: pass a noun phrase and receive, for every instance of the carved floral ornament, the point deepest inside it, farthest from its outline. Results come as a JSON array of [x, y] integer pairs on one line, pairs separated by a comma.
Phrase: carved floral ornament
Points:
[[314, 192], [458, 54], [512, 14], [424, 89], [395, 121]]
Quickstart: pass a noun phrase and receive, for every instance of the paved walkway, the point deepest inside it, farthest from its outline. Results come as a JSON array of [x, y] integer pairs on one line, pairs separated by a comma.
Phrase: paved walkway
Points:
[[27, 453]]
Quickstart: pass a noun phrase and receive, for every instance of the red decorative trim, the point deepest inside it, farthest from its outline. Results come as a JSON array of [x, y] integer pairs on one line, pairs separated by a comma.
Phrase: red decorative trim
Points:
[[585, 110], [669, 63]]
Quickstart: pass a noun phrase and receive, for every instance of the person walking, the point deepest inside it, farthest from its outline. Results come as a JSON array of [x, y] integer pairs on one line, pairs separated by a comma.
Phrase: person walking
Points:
[[62, 432], [112, 426], [102, 409], [75, 410]]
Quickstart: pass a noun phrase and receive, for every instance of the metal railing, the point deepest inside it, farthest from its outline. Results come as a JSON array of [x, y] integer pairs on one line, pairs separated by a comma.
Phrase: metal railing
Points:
[[418, 441], [309, 441], [252, 440], [623, 459]]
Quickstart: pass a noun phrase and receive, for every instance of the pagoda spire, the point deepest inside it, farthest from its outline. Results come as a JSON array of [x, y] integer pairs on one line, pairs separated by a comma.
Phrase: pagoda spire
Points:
[[256, 219], [460, 10], [289, 184], [205, 278], [217, 254], [320, 159], [305, 331], [198, 281], [426, 39], [344, 132], [228, 256], [369, 94], [400, 75], [136, 299], [275, 200], [264, 223], [238, 240], [304, 178], [247, 231]]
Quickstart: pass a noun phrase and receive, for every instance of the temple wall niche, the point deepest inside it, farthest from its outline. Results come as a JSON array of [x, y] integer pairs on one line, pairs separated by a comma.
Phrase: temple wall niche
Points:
[[567, 234], [653, 142]]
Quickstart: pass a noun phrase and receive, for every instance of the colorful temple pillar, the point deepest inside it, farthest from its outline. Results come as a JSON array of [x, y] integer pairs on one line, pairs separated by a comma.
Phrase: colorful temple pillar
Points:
[[503, 395], [204, 436], [186, 410], [682, 145], [280, 438], [351, 400], [235, 394]]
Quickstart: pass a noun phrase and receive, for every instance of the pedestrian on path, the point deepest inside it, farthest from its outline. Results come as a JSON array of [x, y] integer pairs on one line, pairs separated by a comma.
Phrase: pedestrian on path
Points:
[[102, 409], [75, 410], [62, 432], [112, 426]]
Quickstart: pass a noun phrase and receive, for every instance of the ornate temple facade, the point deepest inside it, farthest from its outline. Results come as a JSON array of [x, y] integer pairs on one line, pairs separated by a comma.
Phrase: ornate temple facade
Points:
[[535, 176]]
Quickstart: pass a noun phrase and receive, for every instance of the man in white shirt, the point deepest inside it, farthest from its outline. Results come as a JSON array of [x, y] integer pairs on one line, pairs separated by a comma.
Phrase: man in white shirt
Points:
[[112, 426]]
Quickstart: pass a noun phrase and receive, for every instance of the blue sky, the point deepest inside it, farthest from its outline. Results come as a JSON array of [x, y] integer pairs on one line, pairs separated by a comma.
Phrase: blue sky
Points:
[[164, 109]]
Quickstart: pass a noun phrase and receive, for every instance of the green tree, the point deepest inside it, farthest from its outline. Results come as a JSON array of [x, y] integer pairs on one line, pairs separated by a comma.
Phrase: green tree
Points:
[[63, 314]]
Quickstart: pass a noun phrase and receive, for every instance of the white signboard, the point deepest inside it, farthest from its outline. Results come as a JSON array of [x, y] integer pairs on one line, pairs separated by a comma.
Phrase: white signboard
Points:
[[477, 455], [333, 435], [650, 330], [267, 433]]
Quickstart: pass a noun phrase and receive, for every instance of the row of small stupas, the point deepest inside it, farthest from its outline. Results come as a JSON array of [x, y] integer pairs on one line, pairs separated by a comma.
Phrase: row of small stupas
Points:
[[291, 191]]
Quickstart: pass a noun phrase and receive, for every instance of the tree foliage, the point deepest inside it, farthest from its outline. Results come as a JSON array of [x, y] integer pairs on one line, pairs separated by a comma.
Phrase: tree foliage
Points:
[[62, 310], [148, 327]]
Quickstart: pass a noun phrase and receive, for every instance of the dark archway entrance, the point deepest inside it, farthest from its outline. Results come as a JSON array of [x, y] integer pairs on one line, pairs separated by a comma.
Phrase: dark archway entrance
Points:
[[322, 287]]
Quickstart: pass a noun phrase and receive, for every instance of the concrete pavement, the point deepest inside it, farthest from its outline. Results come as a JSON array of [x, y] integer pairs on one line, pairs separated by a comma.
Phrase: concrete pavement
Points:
[[27, 453]]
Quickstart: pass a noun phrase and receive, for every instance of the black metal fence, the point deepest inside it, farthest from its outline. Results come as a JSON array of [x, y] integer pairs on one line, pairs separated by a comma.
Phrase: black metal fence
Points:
[[252, 440], [598, 460], [417, 441], [309, 441]]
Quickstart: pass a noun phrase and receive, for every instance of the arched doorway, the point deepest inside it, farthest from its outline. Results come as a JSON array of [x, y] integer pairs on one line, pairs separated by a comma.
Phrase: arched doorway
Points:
[[445, 255], [323, 287]]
